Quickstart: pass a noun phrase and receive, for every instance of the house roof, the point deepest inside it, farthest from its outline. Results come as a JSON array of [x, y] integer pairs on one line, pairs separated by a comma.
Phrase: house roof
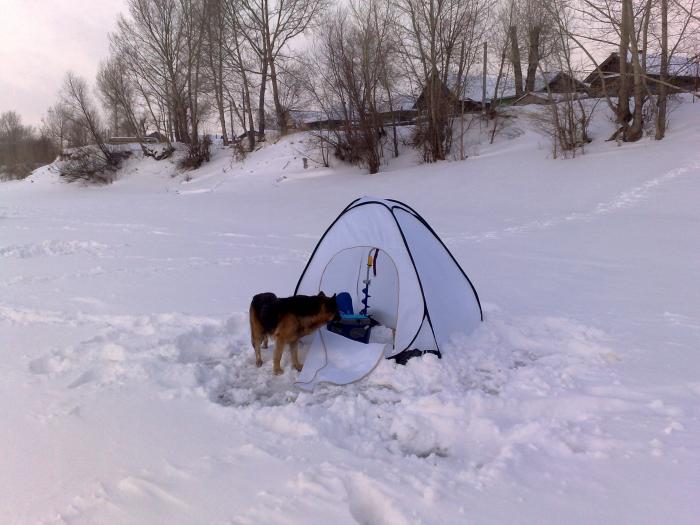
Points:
[[473, 87], [311, 116], [679, 66], [401, 103]]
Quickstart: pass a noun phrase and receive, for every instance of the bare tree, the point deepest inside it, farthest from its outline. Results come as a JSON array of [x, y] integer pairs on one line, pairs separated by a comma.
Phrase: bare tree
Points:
[[441, 40], [352, 59], [239, 61], [94, 162], [76, 97], [269, 26], [117, 90], [684, 23], [662, 94], [215, 48], [566, 118], [152, 41], [515, 56], [193, 21], [55, 125], [528, 23]]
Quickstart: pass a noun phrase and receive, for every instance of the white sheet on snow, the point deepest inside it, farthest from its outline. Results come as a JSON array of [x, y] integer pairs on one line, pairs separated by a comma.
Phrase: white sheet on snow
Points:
[[335, 359]]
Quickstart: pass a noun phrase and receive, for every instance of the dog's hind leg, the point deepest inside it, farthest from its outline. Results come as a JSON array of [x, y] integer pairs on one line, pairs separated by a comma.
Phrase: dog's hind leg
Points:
[[294, 349], [256, 338]]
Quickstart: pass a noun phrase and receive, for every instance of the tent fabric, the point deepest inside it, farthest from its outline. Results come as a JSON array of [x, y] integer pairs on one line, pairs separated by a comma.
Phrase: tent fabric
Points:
[[448, 312], [419, 289], [338, 360]]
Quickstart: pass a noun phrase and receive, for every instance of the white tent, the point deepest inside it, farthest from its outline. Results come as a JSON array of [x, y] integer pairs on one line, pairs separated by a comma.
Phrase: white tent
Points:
[[419, 290]]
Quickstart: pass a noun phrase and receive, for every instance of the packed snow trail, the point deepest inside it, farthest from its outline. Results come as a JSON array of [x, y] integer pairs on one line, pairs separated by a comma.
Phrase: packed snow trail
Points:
[[626, 199], [130, 394]]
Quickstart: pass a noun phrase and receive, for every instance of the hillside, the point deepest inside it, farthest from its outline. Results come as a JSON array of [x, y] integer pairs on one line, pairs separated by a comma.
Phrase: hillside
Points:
[[130, 393]]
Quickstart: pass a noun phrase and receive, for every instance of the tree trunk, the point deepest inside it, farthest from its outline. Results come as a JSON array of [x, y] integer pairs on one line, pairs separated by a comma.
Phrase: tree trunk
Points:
[[662, 89], [515, 59], [230, 119], [246, 93], [635, 131], [645, 33], [623, 106], [116, 121], [492, 108], [222, 118], [218, 73], [533, 58], [483, 86], [261, 100], [279, 110]]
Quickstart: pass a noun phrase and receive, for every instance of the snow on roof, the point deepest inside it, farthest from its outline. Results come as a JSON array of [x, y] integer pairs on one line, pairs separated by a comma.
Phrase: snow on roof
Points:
[[678, 65], [473, 87], [309, 116], [403, 103]]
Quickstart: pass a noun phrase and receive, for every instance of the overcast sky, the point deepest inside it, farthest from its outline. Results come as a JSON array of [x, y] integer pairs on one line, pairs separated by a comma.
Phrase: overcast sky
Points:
[[42, 39]]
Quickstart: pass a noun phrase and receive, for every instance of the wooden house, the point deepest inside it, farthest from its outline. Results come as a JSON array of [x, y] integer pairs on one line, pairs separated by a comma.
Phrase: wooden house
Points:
[[504, 94], [683, 71]]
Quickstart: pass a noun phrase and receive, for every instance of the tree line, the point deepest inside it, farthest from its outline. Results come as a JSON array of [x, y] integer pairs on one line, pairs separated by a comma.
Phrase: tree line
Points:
[[251, 65], [22, 148]]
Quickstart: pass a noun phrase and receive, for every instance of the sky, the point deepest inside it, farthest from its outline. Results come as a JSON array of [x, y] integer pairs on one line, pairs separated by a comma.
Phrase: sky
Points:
[[40, 40]]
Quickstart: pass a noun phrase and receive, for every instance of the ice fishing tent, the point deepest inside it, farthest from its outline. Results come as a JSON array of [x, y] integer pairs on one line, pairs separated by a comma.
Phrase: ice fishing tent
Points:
[[419, 290]]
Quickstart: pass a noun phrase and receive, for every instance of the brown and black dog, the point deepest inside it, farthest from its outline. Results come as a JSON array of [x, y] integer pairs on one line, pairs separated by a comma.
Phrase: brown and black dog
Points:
[[287, 319]]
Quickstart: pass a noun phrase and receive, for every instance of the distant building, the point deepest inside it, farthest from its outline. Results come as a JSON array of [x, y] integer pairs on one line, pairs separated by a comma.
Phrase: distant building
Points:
[[133, 140], [158, 136], [401, 111], [502, 92], [683, 71]]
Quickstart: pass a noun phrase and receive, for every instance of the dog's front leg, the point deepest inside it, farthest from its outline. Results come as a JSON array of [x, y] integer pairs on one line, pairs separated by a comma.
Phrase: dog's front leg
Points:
[[277, 356], [258, 355]]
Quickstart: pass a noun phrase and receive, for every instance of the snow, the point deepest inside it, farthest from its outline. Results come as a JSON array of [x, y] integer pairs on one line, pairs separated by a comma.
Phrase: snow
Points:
[[130, 393]]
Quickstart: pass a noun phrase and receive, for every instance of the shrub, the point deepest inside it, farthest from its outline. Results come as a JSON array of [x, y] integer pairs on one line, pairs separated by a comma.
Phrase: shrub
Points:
[[197, 154], [87, 165]]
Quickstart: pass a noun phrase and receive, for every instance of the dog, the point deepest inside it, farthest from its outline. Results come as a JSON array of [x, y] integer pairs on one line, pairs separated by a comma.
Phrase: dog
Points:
[[287, 320]]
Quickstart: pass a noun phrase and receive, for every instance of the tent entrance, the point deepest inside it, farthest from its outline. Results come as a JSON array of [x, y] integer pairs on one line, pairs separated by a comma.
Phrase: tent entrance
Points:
[[347, 271]]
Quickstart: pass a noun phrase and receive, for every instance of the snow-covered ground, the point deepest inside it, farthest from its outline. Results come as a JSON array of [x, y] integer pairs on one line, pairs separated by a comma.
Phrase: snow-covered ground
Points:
[[129, 392]]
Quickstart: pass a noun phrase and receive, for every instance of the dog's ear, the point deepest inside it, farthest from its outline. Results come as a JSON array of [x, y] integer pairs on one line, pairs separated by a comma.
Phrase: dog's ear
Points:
[[321, 294]]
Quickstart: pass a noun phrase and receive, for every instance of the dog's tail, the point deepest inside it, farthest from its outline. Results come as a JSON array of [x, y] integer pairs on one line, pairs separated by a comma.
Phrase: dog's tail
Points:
[[251, 317]]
